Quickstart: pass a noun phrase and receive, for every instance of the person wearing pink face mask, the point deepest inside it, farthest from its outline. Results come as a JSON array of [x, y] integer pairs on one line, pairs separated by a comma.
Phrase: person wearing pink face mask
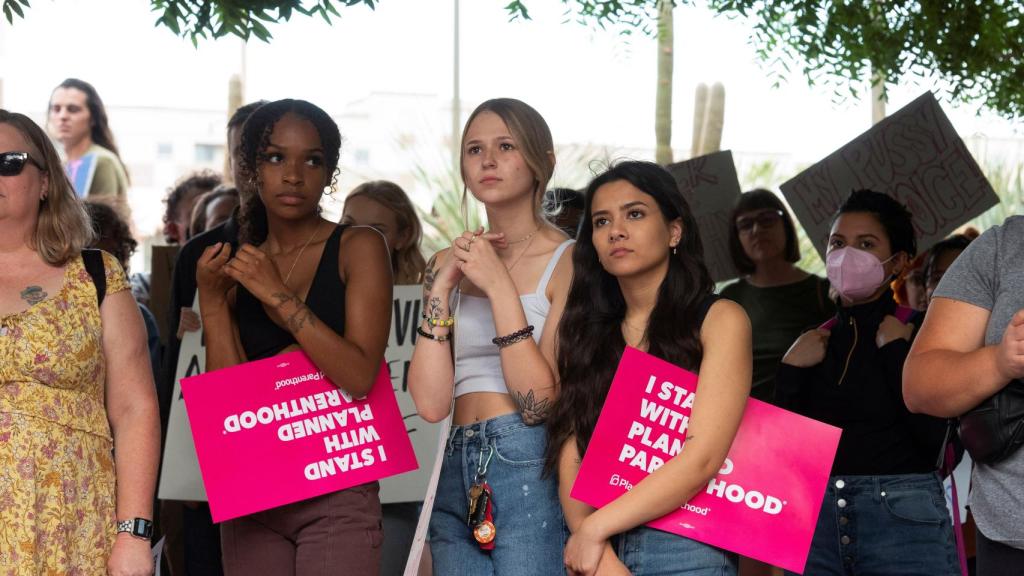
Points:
[[884, 509]]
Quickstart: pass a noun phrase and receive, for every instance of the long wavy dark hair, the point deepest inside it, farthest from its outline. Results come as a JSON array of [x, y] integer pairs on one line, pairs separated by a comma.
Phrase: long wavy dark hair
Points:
[[252, 218], [590, 341], [101, 134]]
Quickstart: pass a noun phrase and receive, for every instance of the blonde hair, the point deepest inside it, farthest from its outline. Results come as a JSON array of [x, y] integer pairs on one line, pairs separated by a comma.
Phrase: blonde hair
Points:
[[407, 262], [63, 228], [532, 136]]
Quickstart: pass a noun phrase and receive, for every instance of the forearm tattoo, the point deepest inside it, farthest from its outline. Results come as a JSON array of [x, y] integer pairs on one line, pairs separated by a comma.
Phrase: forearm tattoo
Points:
[[428, 280], [302, 314], [33, 295], [532, 410]]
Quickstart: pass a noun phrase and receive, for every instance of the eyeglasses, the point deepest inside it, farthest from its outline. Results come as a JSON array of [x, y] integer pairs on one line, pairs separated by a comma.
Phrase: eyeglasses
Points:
[[765, 219], [12, 163]]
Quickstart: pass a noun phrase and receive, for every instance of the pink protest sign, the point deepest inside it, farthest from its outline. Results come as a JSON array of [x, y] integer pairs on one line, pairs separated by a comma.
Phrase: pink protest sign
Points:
[[276, 431], [763, 503]]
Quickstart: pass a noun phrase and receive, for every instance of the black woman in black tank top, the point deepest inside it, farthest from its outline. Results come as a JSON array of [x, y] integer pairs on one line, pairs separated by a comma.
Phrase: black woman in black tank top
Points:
[[262, 338], [299, 282]]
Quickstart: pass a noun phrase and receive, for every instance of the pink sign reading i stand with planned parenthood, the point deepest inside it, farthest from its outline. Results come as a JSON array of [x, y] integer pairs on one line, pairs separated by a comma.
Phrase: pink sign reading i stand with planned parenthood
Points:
[[763, 503], [276, 431]]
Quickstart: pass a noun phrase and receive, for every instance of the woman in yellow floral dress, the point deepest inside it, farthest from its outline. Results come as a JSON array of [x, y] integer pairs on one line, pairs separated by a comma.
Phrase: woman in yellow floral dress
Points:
[[75, 382]]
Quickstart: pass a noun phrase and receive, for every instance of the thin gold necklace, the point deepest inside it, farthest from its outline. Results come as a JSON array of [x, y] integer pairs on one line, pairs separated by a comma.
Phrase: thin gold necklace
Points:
[[524, 238], [525, 248], [301, 250]]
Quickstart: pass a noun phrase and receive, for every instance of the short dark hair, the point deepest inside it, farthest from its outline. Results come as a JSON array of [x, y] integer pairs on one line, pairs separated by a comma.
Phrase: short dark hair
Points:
[[891, 214], [202, 181], [955, 242], [108, 225], [759, 199]]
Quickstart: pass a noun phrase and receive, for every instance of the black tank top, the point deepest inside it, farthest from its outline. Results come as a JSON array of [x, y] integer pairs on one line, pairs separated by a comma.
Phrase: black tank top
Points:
[[262, 338]]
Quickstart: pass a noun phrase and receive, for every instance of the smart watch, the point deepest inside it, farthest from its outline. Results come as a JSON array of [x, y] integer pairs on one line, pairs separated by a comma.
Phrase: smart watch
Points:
[[137, 527]]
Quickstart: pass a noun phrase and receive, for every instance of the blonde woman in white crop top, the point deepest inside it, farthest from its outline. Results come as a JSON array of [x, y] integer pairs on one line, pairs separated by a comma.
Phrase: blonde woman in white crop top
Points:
[[488, 289]]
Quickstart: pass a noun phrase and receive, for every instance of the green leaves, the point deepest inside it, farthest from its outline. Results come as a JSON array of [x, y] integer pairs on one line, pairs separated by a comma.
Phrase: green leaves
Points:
[[205, 19], [976, 47], [12, 7]]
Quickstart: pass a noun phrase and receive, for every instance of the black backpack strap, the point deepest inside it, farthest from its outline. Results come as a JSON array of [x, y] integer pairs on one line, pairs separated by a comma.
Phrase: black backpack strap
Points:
[[93, 260]]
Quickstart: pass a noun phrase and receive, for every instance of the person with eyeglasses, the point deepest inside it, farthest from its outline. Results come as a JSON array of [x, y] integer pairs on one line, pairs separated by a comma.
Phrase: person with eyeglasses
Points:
[[79, 423], [781, 299]]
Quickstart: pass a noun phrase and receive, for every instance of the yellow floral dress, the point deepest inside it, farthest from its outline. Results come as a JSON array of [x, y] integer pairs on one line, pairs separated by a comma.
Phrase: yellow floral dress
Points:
[[56, 451]]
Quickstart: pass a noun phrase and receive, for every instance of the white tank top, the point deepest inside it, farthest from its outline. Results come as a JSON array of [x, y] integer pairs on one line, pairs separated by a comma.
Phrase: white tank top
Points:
[[477, 359]]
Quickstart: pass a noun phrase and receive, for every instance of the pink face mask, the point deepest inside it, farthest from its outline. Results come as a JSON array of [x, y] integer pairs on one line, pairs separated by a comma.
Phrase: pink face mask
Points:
[[854, 273]]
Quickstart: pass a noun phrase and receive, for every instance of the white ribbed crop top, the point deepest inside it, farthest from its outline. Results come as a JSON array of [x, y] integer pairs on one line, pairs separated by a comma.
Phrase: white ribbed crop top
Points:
[[477, 359]]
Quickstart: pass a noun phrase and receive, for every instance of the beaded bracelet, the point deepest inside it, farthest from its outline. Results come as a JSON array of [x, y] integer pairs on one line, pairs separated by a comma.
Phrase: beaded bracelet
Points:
[[429, 336], [441, 322], [517, 336]]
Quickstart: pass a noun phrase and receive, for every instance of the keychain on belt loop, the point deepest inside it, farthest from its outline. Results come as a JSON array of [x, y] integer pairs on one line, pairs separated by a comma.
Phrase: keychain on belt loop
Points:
[[481, 507]]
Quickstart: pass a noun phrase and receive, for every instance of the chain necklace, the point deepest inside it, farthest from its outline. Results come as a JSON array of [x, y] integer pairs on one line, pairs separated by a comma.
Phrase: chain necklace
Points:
[[301, 250], [524, 238], [525, 249]]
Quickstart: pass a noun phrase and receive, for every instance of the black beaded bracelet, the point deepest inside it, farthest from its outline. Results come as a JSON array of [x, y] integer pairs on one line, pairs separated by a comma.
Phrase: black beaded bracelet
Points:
[[429, 336], [517, 336]]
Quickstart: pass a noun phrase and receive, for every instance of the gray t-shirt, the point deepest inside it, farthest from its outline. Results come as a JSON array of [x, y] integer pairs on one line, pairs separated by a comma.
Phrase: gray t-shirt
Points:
[[990, 274]]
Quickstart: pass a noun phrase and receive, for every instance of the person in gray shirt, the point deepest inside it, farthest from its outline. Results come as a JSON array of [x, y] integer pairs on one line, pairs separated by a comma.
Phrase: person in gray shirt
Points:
[[971, 346]]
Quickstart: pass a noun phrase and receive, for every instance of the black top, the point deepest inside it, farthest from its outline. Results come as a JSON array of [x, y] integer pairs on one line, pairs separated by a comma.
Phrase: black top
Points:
[[183, 292], [858, 387], [778, 315], [262, 338]]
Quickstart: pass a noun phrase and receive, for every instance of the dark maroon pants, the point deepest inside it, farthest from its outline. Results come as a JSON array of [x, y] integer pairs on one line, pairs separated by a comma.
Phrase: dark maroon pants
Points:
[[337, 533]]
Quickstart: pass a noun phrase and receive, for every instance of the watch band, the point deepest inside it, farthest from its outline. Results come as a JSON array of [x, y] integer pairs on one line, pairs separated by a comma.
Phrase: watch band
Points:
[[137, 527]]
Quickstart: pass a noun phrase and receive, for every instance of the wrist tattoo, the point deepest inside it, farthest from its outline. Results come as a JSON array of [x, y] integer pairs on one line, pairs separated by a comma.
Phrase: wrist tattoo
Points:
[[33, 295], [434, 309], [302, 316], [282, 298], [532, 410]]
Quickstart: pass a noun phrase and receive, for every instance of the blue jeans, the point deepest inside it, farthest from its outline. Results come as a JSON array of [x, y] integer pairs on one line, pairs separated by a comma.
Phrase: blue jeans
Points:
[[649, 552], [883, 525], [531, 532]]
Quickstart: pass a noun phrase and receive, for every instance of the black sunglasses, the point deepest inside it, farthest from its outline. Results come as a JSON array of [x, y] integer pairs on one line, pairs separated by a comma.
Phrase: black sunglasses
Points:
[[11, 163]]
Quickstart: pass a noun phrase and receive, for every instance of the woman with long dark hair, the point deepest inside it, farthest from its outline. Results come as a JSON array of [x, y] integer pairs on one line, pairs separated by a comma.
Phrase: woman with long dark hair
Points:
[[78, 120], [299, 282], [639, 280], [884, 509], [486, 345]]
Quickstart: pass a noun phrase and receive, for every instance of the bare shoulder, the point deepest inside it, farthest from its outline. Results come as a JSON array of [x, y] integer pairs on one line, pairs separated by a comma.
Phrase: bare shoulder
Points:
[[561, 278], [725, 319], [362, 238]]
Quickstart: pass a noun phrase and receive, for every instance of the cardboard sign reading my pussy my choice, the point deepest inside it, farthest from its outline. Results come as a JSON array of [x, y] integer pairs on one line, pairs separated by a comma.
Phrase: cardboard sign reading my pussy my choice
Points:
[[763, 503], [276, 431]]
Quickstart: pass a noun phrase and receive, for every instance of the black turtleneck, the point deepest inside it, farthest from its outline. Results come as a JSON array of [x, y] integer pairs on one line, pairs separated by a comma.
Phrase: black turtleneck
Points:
[[858, 388]]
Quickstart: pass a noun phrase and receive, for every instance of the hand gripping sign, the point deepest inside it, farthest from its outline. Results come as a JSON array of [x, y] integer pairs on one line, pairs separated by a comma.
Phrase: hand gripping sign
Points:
[[276, 431], [765, 500]]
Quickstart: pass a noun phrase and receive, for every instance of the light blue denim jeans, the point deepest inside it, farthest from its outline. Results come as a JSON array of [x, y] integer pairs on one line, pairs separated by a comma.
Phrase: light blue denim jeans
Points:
[[649, 552], [891, 525], [531, 532]]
